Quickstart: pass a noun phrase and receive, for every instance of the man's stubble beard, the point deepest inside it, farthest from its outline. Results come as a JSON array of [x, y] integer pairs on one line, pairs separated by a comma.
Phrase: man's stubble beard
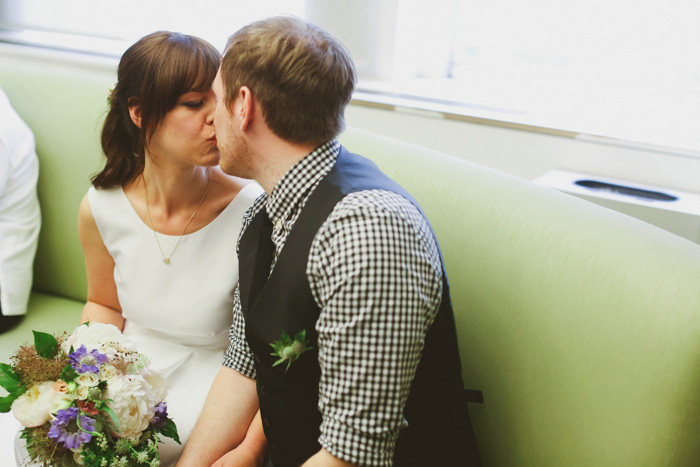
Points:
[[236, 158]]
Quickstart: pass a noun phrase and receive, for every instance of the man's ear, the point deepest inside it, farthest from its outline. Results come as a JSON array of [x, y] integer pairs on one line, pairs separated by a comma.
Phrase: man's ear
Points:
[[135, 111], [246, 110]]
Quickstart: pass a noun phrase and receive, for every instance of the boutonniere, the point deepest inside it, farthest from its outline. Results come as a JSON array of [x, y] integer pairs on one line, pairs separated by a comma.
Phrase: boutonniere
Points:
[[289, 349]]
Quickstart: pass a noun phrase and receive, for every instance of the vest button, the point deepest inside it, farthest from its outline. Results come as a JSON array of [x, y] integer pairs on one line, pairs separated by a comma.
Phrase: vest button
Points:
[[263, 390], [256, 357], [266, 422]]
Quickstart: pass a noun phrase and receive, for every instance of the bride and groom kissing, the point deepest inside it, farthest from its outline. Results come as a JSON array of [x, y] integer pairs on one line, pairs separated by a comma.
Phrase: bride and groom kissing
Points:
[[341, 349]]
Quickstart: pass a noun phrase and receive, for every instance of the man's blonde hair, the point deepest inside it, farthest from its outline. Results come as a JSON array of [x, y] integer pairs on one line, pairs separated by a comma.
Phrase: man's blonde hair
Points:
[[302, 77]]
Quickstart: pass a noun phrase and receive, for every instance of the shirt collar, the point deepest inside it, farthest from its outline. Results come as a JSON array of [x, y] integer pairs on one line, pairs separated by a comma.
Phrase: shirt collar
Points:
[[295, 186]]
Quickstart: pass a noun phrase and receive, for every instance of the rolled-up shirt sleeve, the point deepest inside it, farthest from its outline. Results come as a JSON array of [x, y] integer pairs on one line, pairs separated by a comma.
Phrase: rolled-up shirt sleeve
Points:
[[376, 274], [238, 354]]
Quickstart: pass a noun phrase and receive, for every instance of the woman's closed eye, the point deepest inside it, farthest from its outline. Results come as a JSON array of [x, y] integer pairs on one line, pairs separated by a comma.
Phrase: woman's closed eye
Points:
[[193, 104]]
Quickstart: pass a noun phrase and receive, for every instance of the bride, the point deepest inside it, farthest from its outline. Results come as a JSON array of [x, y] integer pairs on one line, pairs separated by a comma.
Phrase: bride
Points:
[[160, 223]]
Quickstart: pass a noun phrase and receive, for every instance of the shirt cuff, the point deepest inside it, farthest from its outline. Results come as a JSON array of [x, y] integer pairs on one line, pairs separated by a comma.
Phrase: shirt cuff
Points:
[[240, 361], [357, 447]]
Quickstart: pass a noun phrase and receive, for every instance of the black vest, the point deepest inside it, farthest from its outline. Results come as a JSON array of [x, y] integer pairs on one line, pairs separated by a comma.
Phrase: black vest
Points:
[[439, 431]]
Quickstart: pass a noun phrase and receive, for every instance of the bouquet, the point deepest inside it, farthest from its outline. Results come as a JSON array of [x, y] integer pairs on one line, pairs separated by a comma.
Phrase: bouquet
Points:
[[87, 399]]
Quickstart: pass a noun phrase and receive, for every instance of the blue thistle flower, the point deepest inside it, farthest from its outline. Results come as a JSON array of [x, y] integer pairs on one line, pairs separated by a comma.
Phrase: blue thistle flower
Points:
[[161, 415], [71, 428], [83, 361]]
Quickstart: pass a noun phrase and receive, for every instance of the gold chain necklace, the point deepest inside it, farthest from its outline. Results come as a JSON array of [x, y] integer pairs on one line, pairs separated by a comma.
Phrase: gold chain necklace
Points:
[[166, 259]]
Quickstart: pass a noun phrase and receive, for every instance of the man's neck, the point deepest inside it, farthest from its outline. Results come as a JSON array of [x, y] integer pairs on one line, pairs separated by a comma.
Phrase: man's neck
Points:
[[280, 157]]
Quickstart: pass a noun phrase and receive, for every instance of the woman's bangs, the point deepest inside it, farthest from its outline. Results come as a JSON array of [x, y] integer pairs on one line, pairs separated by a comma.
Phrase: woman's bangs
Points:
[[201, 71]]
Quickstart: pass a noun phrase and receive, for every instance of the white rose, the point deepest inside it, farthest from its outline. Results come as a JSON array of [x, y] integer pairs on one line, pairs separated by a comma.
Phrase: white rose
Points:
[[32, 407], [82, 392], [133, 403], [159, 386], [78, 457], [108, 372], [105, 338], [88, 379]]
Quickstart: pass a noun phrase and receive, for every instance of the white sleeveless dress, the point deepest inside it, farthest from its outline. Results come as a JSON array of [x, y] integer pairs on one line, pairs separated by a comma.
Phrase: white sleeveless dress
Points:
[[178, 314]]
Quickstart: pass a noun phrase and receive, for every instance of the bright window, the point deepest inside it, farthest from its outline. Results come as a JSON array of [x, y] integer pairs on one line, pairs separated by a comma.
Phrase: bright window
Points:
[[621, 69]]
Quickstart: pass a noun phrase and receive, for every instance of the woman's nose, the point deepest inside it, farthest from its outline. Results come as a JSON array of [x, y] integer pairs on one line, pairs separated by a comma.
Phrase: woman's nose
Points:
[[211, 109]]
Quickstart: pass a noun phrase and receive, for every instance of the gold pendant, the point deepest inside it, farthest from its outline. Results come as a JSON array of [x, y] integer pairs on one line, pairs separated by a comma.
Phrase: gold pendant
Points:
[[166, 260]]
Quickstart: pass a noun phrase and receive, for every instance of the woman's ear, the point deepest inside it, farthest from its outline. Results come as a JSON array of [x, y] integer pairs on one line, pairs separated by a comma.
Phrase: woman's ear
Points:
[[134, 112]]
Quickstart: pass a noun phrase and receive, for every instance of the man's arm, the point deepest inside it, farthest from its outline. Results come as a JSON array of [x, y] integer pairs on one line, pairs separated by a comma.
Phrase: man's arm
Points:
[[375, 271], [230, 406]]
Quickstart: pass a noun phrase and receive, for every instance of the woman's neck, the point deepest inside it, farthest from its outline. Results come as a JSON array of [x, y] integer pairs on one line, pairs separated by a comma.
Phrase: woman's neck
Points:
[[171, 189]]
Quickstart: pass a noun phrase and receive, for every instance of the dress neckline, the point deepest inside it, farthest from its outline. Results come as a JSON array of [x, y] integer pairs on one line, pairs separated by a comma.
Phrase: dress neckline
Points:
[[213, 221]]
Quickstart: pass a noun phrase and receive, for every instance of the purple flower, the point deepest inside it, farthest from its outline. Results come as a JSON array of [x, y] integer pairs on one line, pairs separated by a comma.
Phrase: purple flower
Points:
[[83, 361], [64, 428], [160, 416]]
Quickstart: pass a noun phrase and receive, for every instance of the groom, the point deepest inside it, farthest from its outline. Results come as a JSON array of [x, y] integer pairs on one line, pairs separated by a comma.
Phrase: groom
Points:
[[343, 328]]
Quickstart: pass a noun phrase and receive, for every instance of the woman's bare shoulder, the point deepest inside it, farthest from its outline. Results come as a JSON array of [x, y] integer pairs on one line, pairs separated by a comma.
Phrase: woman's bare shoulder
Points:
[[226, 187]]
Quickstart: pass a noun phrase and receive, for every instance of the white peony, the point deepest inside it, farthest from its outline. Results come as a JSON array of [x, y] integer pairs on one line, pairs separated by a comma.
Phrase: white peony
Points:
[[32, 407], [105, 338], [133, 402], [159, 386]]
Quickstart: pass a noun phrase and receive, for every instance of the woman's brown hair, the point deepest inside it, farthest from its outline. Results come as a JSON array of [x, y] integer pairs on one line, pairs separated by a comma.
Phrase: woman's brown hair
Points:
[[153, 74]]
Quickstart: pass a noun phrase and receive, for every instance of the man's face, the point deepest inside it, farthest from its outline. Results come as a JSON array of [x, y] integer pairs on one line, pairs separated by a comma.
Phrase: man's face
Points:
[[235, 155]]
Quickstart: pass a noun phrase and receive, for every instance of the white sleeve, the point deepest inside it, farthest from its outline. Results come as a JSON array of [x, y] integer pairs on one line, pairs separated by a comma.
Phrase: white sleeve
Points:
[[19, 210]]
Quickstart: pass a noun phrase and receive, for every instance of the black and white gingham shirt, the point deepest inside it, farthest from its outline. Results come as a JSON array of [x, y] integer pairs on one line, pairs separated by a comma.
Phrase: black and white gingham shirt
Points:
[[375, 273]]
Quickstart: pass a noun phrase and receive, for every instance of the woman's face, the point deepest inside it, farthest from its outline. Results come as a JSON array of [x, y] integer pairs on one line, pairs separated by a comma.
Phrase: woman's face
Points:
[[186, 133]]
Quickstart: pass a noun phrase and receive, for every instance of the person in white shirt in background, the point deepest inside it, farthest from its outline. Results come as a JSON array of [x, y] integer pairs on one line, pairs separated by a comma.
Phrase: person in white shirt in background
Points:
[[20, 218]]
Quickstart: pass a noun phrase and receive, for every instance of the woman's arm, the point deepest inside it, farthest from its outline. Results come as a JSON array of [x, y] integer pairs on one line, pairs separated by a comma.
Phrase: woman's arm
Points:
[[251, 452], [231, 406], [102, 300]]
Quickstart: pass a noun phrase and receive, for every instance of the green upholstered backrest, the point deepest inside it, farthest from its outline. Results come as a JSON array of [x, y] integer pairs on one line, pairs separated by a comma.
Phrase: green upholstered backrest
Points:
[[580, 325], [65, 108]]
